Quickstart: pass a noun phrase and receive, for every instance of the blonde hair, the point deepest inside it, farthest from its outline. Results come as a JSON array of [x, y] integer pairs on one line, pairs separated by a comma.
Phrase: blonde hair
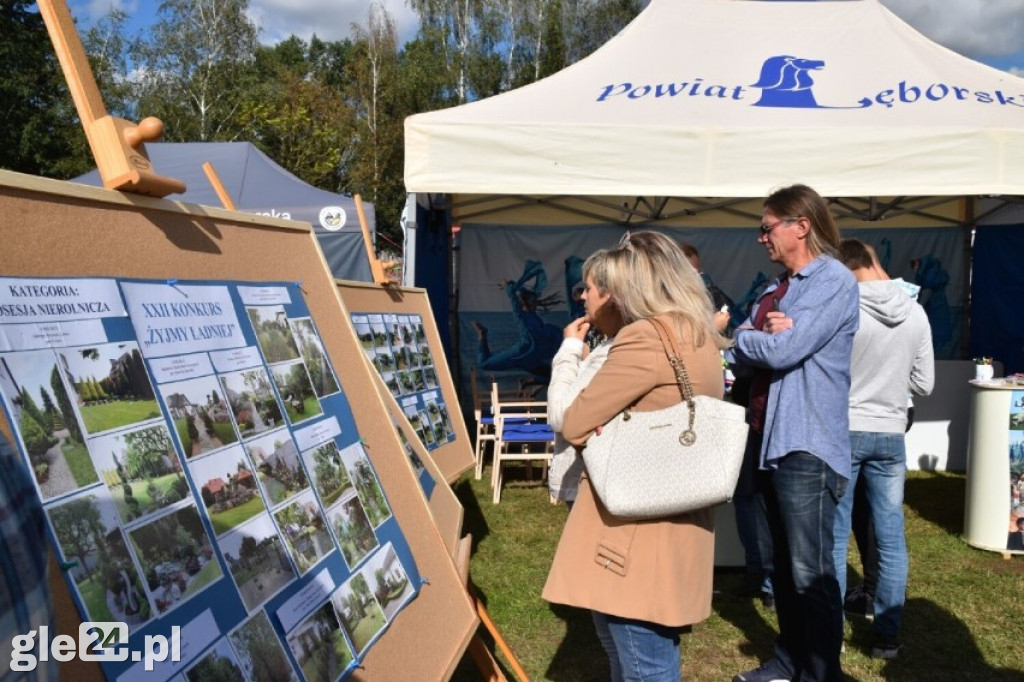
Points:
[[649, 275]]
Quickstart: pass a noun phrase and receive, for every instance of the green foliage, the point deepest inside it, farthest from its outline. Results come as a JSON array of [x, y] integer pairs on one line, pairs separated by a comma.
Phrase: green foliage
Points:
[[331, 112], [37, 442]]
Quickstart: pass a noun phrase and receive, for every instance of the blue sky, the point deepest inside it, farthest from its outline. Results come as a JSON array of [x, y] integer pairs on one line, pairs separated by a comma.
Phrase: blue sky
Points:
[[990, 31]]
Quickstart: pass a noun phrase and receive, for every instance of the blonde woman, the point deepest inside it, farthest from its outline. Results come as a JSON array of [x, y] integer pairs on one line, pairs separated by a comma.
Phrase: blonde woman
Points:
[[572, 369], [645, 580]]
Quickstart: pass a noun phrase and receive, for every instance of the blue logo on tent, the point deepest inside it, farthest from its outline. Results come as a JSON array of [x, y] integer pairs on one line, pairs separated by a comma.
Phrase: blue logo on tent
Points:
[[786, 81]]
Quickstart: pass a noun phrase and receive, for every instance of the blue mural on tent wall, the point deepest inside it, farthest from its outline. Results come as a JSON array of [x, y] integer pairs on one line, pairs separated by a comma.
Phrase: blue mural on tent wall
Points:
[[523, 317]]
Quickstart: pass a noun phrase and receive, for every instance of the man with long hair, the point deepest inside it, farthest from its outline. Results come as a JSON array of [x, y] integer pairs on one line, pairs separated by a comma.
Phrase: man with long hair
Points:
[[798, 341]]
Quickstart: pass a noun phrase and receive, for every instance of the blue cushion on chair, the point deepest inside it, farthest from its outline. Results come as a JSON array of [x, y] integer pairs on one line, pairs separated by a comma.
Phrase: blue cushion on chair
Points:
[[527, 431]]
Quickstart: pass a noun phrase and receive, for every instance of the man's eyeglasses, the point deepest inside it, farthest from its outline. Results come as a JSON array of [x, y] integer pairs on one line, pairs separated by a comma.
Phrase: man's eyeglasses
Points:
[[765, 229]]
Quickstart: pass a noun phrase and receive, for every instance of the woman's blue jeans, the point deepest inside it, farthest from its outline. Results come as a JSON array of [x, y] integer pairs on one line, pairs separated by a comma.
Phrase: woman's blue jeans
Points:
[[639, 651], [881, 458]]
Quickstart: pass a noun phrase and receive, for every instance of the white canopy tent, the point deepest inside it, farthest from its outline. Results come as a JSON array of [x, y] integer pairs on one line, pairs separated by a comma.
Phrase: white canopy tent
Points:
[[699, 108], [729, 98]]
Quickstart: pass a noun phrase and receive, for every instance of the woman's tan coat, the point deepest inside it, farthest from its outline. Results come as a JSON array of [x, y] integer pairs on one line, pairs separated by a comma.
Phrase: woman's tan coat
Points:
[[659, 570]]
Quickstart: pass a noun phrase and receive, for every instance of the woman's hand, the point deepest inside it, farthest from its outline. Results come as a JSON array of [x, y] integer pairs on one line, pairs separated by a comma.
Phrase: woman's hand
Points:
[[577, 329]]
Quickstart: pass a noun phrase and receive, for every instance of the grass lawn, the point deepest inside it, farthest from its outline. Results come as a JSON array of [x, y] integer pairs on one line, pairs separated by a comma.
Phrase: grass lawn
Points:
[[369, 626], [206, 575], [311, 406], [226, 520], [140, 493], [79, 462], [962, 619], [275, 490], [225, 432], [118, 413], [221, 430], [181, 426], [94, 594]]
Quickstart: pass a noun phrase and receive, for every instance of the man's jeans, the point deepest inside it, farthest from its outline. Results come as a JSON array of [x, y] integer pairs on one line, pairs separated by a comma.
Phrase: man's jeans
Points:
[[646, 652], [881, 458], [801, 498]]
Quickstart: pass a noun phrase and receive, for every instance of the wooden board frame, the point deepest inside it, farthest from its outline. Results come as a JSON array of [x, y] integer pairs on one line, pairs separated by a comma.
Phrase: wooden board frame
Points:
[[444, 505], [456, 457], [59, 229]]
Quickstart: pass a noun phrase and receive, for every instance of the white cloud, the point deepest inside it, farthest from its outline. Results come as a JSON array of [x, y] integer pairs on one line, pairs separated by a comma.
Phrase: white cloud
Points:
[[328, 19], [975, 28]]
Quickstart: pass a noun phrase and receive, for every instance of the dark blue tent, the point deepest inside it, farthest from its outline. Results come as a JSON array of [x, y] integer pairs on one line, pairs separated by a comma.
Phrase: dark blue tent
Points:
[[258, 185]]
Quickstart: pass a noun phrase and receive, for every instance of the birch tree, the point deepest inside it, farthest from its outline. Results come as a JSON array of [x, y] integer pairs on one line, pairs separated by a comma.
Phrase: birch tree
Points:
[[195, 66]]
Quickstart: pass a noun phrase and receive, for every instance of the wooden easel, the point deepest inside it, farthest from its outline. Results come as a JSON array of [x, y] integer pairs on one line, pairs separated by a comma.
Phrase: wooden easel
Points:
[[118, 146], [481, 655], [378, 268]]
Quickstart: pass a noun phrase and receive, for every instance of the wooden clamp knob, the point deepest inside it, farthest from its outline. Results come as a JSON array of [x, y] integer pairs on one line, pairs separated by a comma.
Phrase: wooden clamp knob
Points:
[[149, 129]]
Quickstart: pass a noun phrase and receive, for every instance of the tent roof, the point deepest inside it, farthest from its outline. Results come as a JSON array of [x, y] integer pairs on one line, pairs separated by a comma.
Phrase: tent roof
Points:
[[730, 98], [255, 183]]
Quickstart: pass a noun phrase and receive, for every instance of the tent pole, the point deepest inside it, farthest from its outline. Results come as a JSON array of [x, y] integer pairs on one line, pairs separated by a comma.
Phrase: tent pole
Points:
[[970, 222]]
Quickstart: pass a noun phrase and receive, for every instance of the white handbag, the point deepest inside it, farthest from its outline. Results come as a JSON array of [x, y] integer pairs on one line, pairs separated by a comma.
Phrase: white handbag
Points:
[[669, 461]]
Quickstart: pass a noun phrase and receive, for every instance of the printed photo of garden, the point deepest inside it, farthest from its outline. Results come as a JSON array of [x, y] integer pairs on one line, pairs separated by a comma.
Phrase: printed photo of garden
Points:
[[141, 470], [42, 415], [329, 478], [388, 580], [176, 556], [379, 331], [358, 611], [273, 333], [110, 385], [319, 647], [218, 663], [228, 488], [410, 452], [257, 560], [259, 651], [90, 538], [200, 415], [292, 380], [352, 530], [367, 485], [305, 533], [251, 397], [276, 461], [320, 373]]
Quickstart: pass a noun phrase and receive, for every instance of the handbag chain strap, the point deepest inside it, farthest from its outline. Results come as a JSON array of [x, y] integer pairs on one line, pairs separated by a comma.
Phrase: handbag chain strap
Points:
[[688, 436]]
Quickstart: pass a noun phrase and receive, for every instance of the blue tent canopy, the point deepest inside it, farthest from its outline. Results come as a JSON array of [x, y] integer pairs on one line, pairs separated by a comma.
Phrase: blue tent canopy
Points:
[[258, 185]]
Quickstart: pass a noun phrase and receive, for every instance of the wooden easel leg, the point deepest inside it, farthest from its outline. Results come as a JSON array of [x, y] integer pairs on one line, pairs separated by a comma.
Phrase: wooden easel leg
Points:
[[485, 663], [482, 657], [499, 640]]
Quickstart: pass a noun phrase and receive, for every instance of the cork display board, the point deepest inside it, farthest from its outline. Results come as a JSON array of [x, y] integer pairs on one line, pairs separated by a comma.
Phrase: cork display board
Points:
[[444, 505], [397, 332], [189, 379]]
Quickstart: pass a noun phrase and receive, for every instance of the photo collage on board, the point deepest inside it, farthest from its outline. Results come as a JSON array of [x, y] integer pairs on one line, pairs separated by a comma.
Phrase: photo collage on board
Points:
[[396, 346], [1015, 534], [115, 421], [326, 642], [112, 484]]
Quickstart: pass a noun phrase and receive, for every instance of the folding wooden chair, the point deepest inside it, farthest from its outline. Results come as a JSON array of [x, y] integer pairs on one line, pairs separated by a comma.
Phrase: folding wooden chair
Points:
[[521, 423]]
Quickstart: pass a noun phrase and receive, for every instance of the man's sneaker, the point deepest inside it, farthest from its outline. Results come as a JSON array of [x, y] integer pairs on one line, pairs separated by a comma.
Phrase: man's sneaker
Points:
[[768, 599], [767, 672], [887, 649], [860, 603]]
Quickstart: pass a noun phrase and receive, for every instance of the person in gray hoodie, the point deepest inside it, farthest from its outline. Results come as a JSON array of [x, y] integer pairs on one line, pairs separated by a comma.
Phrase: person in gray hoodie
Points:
[[892, 354]]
